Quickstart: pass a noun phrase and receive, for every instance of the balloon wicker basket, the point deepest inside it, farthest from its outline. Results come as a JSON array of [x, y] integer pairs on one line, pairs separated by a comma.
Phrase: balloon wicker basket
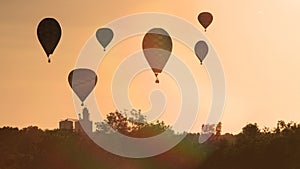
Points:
[[157, 80]]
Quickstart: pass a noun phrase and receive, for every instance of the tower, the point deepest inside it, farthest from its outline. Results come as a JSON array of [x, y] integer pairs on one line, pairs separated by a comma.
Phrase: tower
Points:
[[85, 114], [84, 124]]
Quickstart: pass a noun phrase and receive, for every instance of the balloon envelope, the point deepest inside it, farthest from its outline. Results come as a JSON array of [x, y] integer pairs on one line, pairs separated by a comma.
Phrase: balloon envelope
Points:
[[49, 33], [205, 19], [201, 50], [157, 48], [104, 36], [82, 81]]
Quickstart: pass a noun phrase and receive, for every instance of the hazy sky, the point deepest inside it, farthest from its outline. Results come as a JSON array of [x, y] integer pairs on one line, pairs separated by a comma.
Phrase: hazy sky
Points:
[[257, 42]]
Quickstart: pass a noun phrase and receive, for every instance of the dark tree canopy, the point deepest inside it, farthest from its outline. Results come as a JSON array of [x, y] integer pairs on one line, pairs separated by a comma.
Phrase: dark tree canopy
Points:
[[32, 147], [132, 123]]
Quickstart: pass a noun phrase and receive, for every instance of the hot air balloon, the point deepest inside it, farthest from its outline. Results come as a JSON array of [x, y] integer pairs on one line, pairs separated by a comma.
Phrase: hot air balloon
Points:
[[104, 36], [82, 81], [49, 33], [201, 50], [157, 48], [205, 19]]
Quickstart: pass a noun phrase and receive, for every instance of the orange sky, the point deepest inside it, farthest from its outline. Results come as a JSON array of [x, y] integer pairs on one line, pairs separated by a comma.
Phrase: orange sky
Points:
[[257, 43]]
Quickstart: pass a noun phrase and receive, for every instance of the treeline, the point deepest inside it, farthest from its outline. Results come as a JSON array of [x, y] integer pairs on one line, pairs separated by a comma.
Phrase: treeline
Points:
[[253, 148]]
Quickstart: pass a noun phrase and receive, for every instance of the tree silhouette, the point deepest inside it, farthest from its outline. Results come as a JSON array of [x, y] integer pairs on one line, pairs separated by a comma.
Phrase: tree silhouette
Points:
[[253, 148], [218, 129], [123, 122], [132, 123]]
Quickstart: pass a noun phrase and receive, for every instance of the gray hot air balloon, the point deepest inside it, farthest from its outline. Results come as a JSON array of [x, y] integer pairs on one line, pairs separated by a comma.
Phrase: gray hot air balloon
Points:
[[201, 50], [82, 81], [104, 36], [157, 48], [49, 33]]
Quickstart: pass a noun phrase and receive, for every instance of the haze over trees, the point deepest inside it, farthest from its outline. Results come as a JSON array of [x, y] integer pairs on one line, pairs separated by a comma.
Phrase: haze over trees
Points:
[[253, 148]]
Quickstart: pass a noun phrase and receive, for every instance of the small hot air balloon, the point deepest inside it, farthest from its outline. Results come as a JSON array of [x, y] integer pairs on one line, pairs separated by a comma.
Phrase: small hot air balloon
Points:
[[205, 19], [49, 33], [201, 50], [157, 48], [82, 81], [104, 36]]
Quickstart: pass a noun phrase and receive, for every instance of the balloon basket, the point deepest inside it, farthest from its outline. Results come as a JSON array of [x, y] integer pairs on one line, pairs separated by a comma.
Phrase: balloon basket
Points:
[[156, 81]]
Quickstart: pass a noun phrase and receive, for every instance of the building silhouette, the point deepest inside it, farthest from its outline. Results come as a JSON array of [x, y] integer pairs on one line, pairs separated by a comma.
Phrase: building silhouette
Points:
[[83, 125], [66, 125]]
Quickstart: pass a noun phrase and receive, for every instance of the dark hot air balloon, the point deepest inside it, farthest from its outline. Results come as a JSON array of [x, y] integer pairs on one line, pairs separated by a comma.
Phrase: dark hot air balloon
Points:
[[205, 19], [104, 36], [82, 81], [49, 33], [201, 50], [157, 48]]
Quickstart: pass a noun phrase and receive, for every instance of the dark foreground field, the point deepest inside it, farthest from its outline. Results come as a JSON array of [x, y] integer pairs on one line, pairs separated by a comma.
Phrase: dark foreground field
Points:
[[33, 148]]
